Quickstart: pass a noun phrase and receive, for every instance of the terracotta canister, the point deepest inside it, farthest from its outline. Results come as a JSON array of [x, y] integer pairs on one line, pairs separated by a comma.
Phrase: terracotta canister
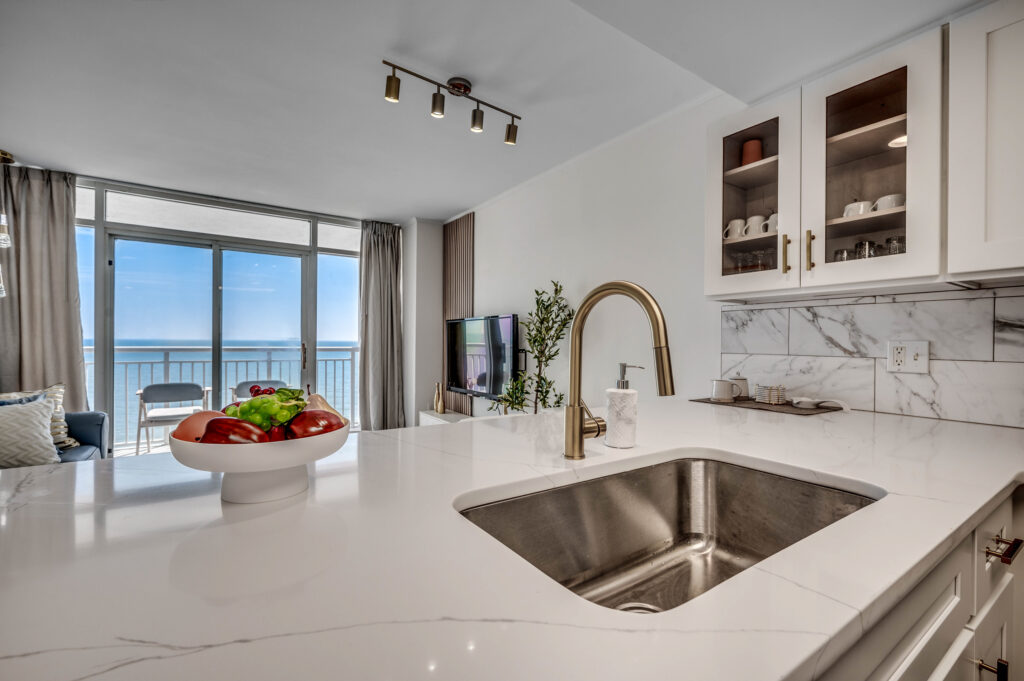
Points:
[[751, 152]]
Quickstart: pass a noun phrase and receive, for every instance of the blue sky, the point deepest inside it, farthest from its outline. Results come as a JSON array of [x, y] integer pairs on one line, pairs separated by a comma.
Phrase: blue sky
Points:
[[163, 292]]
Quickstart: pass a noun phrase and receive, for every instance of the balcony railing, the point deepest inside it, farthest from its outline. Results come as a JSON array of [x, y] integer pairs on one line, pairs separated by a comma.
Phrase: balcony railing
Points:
[[136, 366]]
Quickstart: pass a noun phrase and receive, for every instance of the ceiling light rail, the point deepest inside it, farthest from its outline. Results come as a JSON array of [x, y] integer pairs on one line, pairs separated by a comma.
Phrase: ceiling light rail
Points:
[[458, 87]]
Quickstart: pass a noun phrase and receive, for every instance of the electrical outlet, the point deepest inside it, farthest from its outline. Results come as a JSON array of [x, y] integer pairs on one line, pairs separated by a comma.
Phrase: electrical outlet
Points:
[[906, 357]]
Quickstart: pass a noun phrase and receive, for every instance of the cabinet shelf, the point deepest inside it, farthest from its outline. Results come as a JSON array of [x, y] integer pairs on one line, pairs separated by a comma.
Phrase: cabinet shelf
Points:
[[877, 221], [751, 237], [865, 141], [754, 174]]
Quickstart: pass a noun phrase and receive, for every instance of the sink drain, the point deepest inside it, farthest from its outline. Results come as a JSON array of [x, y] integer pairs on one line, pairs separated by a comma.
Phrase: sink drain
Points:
[[641, 608]]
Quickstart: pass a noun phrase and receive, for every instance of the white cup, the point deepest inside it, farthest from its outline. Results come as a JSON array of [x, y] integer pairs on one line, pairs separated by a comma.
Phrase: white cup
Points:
[[754, 223], [733, 229], [890, 201], [857, 208], [723, 390], [771, 224], [743, 385]]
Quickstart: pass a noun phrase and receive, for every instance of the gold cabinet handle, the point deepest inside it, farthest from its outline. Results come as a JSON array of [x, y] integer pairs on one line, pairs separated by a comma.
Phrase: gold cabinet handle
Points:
[[1001, 670], [810, 238], [786, 241], [1011, 547]]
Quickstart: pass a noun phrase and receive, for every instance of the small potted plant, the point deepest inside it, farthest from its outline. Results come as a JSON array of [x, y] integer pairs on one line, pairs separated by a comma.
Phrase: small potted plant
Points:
[[545, 327]]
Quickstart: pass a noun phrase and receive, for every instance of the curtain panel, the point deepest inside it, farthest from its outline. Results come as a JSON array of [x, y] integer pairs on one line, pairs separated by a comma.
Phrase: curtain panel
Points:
[[381, 384], [40, 319]]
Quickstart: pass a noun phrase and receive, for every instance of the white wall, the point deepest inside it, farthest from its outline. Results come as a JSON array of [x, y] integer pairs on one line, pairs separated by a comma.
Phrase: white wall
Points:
[[422, 259], [631, 209]]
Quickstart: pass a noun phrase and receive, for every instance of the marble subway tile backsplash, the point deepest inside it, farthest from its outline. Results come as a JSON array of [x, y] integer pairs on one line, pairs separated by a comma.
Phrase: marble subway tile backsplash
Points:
[[763, 332], [957, 329], [836, 348], [850, 379], [1009, 336]]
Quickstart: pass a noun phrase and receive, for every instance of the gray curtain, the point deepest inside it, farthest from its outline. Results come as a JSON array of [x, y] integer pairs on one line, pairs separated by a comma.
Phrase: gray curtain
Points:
[[40, 320], [381, 385]]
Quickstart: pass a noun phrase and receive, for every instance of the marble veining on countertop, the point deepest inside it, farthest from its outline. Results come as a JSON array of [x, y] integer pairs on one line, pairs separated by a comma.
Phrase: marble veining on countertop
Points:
[[133, 568]]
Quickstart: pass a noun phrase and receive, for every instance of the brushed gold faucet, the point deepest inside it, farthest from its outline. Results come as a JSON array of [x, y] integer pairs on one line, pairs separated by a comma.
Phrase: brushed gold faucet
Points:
[[578, 426]]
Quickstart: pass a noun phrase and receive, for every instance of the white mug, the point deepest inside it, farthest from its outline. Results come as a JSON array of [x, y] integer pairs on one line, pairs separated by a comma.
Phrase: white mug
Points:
[[742, 384], [857, 208], [723, 390], [771, 224], [889, 201], [733, 229], [754, 223]]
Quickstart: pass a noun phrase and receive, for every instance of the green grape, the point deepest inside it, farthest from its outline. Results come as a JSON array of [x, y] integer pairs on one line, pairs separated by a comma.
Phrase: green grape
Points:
[[232, 410]]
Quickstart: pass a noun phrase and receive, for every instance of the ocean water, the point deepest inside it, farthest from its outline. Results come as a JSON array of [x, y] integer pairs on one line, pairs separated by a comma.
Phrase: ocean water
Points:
[[142, 362]]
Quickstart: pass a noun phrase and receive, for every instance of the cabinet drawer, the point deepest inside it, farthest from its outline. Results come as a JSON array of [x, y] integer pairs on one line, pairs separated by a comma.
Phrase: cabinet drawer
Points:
[[989, 569], [910, 641]]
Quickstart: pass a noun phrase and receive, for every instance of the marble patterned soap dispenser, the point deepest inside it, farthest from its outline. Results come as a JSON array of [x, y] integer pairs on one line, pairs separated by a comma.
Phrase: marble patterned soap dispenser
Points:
[[622, 412]]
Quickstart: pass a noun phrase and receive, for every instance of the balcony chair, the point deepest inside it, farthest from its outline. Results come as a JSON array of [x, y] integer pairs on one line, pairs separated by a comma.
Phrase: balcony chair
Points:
[[242, 389], [166, 417]]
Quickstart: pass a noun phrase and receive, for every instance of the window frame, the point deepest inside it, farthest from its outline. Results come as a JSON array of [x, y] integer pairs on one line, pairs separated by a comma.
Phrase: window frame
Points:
[[107, 231]]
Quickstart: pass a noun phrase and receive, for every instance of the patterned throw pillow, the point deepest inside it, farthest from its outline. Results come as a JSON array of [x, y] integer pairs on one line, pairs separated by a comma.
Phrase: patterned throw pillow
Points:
[[58, 426], [25, 438]]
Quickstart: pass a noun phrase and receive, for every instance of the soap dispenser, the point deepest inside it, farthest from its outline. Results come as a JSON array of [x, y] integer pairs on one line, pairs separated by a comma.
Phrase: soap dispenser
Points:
[[621, 414]]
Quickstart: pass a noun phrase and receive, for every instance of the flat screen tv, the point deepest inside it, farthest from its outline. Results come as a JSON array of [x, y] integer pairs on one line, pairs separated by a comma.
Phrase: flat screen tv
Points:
[[482, 354]]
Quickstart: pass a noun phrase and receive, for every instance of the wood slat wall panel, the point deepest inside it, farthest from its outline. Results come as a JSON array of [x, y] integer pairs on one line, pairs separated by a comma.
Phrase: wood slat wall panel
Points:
[[458, 292]]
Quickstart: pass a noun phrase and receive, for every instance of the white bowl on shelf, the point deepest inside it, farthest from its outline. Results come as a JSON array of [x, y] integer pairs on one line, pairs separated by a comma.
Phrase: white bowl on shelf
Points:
[[261, 471]]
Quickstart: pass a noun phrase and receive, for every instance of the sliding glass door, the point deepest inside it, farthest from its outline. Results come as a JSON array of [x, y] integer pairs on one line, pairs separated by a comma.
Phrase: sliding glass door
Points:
[[261, 326], [195, 289], [163, 326]]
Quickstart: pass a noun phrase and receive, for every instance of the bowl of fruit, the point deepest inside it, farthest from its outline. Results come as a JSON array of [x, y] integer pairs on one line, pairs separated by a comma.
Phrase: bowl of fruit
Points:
[[262, 445]]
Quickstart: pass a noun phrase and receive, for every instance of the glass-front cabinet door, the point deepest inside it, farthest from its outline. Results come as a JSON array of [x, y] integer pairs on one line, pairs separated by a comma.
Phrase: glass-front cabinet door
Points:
[[871, 183], [752, 209]]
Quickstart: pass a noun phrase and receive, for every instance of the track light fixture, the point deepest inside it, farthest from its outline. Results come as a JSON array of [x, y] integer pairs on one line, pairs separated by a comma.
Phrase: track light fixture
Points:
[[6, 157], [437, 104], [392, 86], [457, 87], [511, 130]]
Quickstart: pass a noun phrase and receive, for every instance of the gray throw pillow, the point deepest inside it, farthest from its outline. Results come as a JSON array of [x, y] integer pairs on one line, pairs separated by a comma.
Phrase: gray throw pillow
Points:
[[25, 438]]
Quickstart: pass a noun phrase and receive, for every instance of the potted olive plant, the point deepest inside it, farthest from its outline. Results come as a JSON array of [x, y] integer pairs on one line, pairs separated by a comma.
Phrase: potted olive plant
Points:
[[545, 327]]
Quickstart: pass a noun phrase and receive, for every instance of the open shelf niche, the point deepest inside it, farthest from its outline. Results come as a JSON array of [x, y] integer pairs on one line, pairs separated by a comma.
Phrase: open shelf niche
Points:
[[751, 189], [861, 164]]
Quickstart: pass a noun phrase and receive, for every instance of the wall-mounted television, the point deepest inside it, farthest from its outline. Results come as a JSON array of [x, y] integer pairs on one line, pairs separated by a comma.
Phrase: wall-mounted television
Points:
[[482, 354]]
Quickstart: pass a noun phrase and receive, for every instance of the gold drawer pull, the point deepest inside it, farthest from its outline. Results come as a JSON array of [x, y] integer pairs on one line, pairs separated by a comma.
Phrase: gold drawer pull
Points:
[[786, 241], [1012, 548], [1001, 670], [810, 238]]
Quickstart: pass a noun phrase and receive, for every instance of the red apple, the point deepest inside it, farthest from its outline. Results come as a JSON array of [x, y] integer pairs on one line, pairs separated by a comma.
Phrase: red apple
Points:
[[227, 430], [310, 422], [277, 433]]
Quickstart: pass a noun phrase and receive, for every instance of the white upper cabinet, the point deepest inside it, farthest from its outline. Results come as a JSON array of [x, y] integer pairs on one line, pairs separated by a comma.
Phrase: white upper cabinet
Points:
[[871, 173], [986, 142], [752, 208]]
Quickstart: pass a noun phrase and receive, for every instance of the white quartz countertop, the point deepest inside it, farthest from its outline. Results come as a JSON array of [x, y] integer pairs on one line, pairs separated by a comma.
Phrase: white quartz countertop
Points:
[[133, 568]]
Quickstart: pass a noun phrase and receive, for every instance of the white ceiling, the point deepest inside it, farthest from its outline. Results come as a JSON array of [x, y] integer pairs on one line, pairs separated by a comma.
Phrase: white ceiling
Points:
[[751, 48], [281, 102]]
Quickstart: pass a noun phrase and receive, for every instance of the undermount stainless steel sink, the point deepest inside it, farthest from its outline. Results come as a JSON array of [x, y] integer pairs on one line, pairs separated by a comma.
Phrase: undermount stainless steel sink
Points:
[[650, 539]]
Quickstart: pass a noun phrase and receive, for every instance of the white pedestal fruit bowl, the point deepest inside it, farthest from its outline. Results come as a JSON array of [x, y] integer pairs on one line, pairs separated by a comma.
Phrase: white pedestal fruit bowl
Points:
[[260, 471]]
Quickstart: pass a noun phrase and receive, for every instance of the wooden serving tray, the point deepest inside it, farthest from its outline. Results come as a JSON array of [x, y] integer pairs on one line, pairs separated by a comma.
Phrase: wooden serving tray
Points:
[[788, 408]]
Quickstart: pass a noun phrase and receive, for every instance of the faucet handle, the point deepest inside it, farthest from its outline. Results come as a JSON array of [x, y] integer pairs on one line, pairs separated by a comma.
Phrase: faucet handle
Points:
[[622, 383]]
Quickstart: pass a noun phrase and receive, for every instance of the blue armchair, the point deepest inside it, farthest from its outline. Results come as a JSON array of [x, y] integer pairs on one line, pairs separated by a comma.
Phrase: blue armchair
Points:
[[90, 428]]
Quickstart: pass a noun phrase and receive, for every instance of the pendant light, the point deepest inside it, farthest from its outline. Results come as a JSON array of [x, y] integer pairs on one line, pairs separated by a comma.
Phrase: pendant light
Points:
[[392, 86], [477, 122], [437, 104], [511, 130]]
